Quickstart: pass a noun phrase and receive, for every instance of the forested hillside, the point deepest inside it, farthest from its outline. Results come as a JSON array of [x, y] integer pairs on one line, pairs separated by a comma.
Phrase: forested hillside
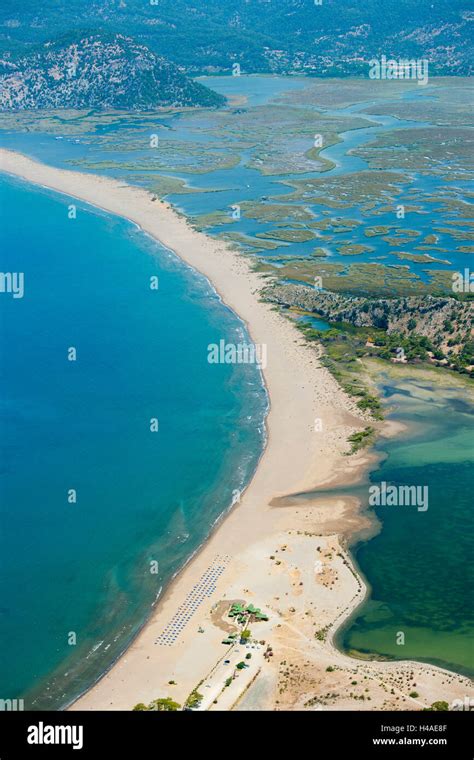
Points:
[[337, 37]]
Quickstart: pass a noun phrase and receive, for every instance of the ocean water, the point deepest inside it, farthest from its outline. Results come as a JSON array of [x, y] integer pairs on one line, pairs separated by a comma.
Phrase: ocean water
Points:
[[419, 567], [76, 582]]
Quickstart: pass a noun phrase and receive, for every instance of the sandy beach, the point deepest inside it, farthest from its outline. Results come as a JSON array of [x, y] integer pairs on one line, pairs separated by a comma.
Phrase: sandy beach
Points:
[[290, 561]]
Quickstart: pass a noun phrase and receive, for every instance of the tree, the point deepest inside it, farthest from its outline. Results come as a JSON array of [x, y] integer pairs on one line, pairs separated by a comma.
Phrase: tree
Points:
[[194, 699], [437, 706], [165, 704]]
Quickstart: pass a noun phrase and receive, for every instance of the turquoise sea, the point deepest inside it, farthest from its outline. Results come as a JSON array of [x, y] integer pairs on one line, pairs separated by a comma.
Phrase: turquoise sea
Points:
[[81, 571]]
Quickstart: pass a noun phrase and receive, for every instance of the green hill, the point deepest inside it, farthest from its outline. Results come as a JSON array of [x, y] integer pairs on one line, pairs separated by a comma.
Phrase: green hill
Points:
[[337, 37], [97, 71]]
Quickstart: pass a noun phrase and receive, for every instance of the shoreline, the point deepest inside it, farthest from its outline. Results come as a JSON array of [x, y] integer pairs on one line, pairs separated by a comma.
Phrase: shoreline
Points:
[[295, 458]]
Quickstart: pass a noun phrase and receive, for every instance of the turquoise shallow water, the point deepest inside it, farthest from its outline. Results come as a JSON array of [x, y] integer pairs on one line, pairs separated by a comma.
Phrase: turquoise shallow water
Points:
[[84, 568], [419, 566]]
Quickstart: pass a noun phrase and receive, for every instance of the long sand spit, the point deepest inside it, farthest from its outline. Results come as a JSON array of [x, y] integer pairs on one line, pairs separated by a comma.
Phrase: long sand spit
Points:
[[290, 561]]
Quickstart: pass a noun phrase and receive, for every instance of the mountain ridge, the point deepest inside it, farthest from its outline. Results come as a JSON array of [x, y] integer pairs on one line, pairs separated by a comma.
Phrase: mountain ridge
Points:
[[335, 38], [97, 71]]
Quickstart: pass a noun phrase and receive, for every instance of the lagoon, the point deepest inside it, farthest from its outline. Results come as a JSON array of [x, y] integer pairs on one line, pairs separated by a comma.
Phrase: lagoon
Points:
[[419, 566]]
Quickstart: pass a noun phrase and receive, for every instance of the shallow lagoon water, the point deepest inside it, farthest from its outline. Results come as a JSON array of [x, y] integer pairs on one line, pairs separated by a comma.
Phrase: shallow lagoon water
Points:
[[228, 187], [419, 566]]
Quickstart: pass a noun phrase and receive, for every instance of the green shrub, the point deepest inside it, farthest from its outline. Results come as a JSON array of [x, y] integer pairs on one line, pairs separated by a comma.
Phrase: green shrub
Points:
[[165, 704], [437, 706], [194, 699]]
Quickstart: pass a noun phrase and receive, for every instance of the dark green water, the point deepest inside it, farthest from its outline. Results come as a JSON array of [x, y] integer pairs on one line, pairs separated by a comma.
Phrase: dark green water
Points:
[[419, 567]]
